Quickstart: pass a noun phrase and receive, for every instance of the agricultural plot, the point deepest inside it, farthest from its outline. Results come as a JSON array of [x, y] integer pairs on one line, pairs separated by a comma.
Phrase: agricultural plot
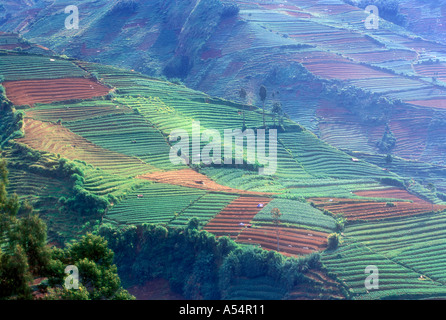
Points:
[[192, 179], [35, 188], [289, 241], [394, 205], [395, 281], [104, 183], [328, 288], [43, 193], [297, 213], [128, 134], [260, 288], [420, 171], [204, 209], [153, 203], [11, 41], [57, 139], [235, 216], [437, 70], [67, 112], [29, 67], [243, 180], [416, 242], [410, 128], [29, 92], [322, 160]]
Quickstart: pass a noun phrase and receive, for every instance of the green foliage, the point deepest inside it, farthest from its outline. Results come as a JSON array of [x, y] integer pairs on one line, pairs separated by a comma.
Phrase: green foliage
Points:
[[387, 142], [197, 264], [333, 241], [30, 233], [14, 275], [27, 256]]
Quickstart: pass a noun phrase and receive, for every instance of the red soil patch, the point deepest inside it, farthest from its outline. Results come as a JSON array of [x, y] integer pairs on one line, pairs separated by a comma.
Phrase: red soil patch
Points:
[[235, 216], [306, 291], [211, 54], [42, 47], [298, 14], [192, 179], [383, 56], [390, 193], [358, 209], [292, 241], [431, 70], [345, 71], [47, 91], [157, 289]]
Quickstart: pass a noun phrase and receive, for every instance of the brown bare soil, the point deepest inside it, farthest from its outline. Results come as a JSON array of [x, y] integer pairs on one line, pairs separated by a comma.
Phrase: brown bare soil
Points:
[[235, 216], [359, 209], [29, 92], [192, 179], [292, 241]]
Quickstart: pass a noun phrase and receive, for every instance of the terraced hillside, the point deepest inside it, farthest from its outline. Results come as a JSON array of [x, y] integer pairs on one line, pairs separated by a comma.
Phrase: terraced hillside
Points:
[[296, 48], [105, 160]]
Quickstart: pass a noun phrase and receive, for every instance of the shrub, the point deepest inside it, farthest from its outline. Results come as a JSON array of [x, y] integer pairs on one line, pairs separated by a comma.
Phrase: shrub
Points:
[[333, 241]]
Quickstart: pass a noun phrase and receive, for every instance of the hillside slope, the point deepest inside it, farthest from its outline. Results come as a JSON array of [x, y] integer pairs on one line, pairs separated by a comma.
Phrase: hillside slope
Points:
[[119, 172], [328, 71]]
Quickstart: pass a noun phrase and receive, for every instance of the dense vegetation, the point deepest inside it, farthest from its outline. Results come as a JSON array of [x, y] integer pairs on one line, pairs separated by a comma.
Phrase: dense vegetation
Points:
[[25, 256], [196, 263]]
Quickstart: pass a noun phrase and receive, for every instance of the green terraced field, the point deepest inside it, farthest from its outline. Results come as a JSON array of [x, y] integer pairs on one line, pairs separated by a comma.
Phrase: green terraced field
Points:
[[205, 208], [261, 288], [297, 213], [395, 280], [323, 160], [30, 67], [75, 111], [160, 204], [416, 242], [128, 134]]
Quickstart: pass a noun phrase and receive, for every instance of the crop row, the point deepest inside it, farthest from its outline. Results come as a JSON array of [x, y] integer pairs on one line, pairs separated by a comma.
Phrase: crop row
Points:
[[56, 139], [416, 242], [321, 159], [153, 203], [235, 216], [205, 208], [128, 134], [350, 261], [296, 212], [75, 111], [27, 67]]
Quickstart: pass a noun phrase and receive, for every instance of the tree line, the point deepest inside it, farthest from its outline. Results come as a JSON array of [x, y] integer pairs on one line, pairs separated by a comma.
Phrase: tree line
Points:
[[25, 256]]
